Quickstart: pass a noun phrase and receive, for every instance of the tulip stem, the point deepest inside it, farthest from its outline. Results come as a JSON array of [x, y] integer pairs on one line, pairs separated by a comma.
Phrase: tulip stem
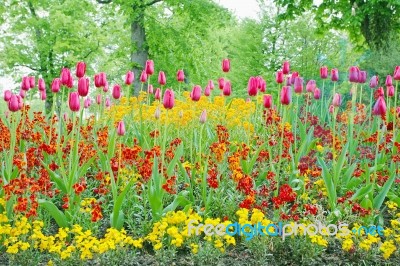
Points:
[[51, 119], [395, 115], [370, 108], [376, 152], [322, 96], [295, 123], [277, 177], [361, 91]]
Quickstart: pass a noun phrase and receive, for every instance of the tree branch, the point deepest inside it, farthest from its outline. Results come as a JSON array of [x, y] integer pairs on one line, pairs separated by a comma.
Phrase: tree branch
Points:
[[31, 68], [104, 1], [91, 51], [152, 3]]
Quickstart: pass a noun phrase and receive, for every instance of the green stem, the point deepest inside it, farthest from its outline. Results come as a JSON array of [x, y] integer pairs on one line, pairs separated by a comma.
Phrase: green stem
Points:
[[277, 177]]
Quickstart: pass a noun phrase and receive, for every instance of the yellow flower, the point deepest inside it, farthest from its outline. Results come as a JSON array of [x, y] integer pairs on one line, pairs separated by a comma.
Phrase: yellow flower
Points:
[[347, 244], [195, 248], [387, 248], [320, 148]]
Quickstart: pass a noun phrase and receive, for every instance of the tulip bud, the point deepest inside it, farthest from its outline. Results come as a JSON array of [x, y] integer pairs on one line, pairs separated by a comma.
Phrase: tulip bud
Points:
[[80, 69], [100, 80], [149, 67], [362, 77], [86, 103], [98, 99], [285, 68], [13, 103], [298, 85], [7, 95], [252, 86], [157, 113], [379, 107], [116, 92], [20, 102], [221, 83], [70, 83], [323, 72], [129, 77], [380, 92], [293, 77], [108, 102], [65, 76], [390, 91], [337, 100], [207, 91], [180, 76], [169, 99], [211, 84], [203, 117], [286, 95], [105, 88], [22, 93], [226, 65], [226, 91], [43, 95], [157, 94], [143, 77], [55, 85], [334, 75], [331, 109], [373, 83], [311, 85], [196, 93], [121, 128], [150, 89], [396, 75], [279, 77], [41, 84], [74, 103], [389, 81], [267, 101], [262, 85], [83, 87], [32, 82], [162, 80], [354, 74], [317, 94], [26, 84]]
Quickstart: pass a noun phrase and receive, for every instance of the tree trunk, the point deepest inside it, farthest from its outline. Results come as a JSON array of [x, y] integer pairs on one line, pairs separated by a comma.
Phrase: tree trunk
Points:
[[139, 52]]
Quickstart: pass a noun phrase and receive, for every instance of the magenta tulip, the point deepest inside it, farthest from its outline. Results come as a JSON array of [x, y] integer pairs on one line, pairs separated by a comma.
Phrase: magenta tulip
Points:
[[150, 89], [267, 101], [55, 85], [196, 93], [337, 100], [43, 95], [80, 69], [286, 95], [116, 92], [323, 72], [298, 85], [317, 94], [311, 85], [22, 93], [86, 103], [13, 103], [331, 109], [389, 81], [203, 117], [252, 86], [162, 80], [7, 95], [262, 85], [379, 107], [73, 101], [207, 91], [169, 99], [108, 102], [390, 91], [362, 78], [149, 67], [65, 76], [83, 87], [293, 77], [129, 77], [286, 67], [226, 65], [221, 83], [334, 75], [180, 76], [41, 84], [396, 74], [143, 77], [227, 90], [157, 94], [98, 99], [121, 128], [32, 82], [373, 83], [26, 84], [354, 73], [279, 77], [211, 84]]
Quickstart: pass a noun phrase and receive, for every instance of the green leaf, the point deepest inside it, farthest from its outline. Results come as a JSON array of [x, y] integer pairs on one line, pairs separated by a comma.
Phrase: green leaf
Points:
[[57, 215]]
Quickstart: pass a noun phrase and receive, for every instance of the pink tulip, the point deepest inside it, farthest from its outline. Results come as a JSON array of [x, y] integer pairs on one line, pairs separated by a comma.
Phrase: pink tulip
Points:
[[13, 103], [398, 110], [22, 93], [73, 101], [80, 69], [121, 128], [180, 76], [298, 85], [98, 99], [150, 89], [43, 95], [226, 65], [379, 107], [317, 94], [100, 80], [149, 67], [7, 95], [390, 91], [267, 101], [26, 84], [226, 91], [86, 103], [389, 81], [108, 102], [211, 84], [354, 73], [311, 85], [157, 94], [207, 91], [32, 82], [362, 78], [221, 83], [323, 72], [286, 67], [203, 117], [105, 88], [55, 85], [196, 93], [20, 102], [252, 86], [331, 109], [116, 92], [334, 75], [143, 77], [337, 100], [293, 77], [373, 83], [262, 85], [129, 77], [65, 76], [286, 95], [169, 99], [41, 84], [70, 83], [162, 80], [279, 77], [288, 81], [83, 87], [396, 74]]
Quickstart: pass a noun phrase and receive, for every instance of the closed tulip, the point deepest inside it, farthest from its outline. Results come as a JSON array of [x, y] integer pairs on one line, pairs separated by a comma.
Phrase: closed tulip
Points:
[[286, 95], [389, 81], [25, 84], [70, 83], [22, 93], [129, 77], [286, 67], [203, 117], [86, 103], [279, 77], [323, 72], [43, 95], [80, 69], [354, 74], [337, 100], [157, 94], [13, 103], [293, 77], [65, 76], [32, 82], [41, 84], [373, 83], [98, 99], [162, 80], [116, 92], [149, 67], [334, 75], [7, 95], [73, 101], [298, 85], [105, 88], [180, 76], [379, 107], [143, 76], [100, 80], [55, 85], [331, 109], [207, 91], [211, 84], [267, 101], [83, 87], [317, 94], [262, 85], [196, 93], [226, 65], [169, 99], [252, 86], [150, 89], [226, 91], [221, 83], [108, 102], [362, 77], [20, 102], [121, 128], [396, 74], [390, 91], [311, 85]]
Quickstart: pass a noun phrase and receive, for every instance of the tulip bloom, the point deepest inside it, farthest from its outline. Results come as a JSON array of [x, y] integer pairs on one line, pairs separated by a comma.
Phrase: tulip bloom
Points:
[[389, 81], [86, 103], [379, 107], [252, 86], [169, 99], [73, 101], [105, 88], [323, 72], [121, 128], [286, 95], [317, 94], [157, 94], [262, 85], [41, 84], [203, 117], [55, 85], [80, 69], [43, 95], [143, 77], [211, 84], [116, 92], [26, 84], [196, 93], [22, 93], [108, 102], [180, 76], [149, 67], [354, 73], [337, 100], [279, 77], [100, 79], [298, 85], [267, 101], [396, 74], [286, 67], [7, 95], [207, 91], [162, 80], [390, 91], [226, 65], [98, 99], [373, 83], [129, 77], [13, 103], [331, 109], [20, 102], [311, 85], [226, 91], [150, 89], [334, 75], [221, 83], [362, 78], [293, 77], [32, 82], [83, 87], [65, 76]]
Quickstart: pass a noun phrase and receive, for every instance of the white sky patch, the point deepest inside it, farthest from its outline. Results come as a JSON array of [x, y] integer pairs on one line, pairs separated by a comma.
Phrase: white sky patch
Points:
[[242, 8]]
